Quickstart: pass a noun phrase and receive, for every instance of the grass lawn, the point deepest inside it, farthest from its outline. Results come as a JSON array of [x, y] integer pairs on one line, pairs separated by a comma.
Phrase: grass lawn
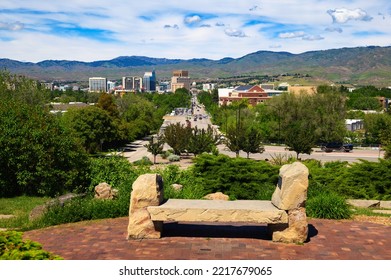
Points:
[[20, 207]]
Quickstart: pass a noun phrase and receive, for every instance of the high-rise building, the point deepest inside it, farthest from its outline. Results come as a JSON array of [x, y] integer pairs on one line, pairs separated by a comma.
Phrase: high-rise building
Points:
[[180, 79], [149, 81], [132, 83], [98, 84]]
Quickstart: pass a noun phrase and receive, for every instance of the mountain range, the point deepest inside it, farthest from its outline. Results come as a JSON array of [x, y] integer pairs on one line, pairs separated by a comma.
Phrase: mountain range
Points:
[[361, 65]]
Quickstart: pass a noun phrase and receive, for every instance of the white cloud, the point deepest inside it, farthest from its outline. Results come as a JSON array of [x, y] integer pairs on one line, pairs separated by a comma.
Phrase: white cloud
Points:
[[334, 29], [192, 19], [123, 29], [343, 15], [14, 26], [233, 32], [291, 35], [312, 37]]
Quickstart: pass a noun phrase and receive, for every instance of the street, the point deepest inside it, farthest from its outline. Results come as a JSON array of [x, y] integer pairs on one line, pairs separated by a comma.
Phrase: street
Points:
[[138, 150]]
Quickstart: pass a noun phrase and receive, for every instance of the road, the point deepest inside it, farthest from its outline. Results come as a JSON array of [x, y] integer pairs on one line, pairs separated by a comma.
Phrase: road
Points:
[[370, 154]]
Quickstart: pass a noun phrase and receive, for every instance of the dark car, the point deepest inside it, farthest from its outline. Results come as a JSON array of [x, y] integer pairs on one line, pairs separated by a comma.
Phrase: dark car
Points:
[[336, 146]]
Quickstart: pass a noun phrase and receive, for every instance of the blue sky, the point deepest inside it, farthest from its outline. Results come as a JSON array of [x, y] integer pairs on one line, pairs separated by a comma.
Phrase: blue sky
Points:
[[36, 30]]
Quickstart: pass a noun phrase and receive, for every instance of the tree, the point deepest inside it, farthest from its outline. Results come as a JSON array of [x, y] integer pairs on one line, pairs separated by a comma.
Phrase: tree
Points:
[[202, 140], [300, 137], [252, 142], [106, 102], [329, 114], [234, 138], [298, 123], [37, 155], [155, 147], [177, 137], [92, 125]]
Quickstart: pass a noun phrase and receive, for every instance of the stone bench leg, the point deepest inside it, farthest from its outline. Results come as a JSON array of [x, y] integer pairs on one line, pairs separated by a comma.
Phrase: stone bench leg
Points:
[[291, 195], [147, 190], [296, 231]]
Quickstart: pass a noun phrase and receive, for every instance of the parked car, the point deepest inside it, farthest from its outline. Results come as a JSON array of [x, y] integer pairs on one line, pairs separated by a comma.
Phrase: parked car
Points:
[[336, 146]]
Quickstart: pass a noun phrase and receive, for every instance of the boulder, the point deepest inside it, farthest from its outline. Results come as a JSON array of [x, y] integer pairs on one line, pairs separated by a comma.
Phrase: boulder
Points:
[[39, 210], [147, 190], [177, 187], [364, 203], [216, 196], [297, 231], [385, 204], [291, 190], [105, 191]]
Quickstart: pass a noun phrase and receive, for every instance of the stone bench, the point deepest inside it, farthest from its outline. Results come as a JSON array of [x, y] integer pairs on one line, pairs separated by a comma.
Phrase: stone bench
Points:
[[284, 214]]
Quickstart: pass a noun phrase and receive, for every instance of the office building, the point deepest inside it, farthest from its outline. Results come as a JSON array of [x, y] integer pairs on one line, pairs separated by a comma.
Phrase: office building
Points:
[[134, 84], [180, 79], [98, 84], [149, 81]]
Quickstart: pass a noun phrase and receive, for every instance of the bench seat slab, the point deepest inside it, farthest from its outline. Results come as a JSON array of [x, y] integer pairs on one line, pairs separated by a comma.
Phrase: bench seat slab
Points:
[[186, 210]]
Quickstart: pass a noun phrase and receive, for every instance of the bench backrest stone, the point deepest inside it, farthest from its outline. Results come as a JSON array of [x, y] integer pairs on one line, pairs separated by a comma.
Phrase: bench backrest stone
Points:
[[147, 190], [291, 190]]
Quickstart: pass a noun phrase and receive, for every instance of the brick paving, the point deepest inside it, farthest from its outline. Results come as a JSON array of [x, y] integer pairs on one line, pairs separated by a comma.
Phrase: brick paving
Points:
[[106, 240]]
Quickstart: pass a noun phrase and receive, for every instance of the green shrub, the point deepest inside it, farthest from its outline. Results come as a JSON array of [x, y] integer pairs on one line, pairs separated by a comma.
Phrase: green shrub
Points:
[[12, 247], [237, 177], [143, 161], [328, 205], [114, 170], [38, 157], [173, 158]]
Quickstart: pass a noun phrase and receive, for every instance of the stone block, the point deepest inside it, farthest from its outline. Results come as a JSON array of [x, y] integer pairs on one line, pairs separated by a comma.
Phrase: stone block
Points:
[[297, 231], [242, 211], [291, 190], [364, 203], [385, 204], [147, 190], [216, 196], [105, 191]]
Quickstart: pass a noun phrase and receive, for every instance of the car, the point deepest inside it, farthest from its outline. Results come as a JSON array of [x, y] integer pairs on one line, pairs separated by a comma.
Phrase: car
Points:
[[336, 146]]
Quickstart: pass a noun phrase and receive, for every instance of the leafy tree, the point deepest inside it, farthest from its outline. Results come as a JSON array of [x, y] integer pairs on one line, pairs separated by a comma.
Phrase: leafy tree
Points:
[[177, 137], [37, 156], [298, 122], [202, 140], [376, 127], [329, 114], [300, 137], [107, 102], [252, 142], [92, 125], [234, 139], [155, 147]]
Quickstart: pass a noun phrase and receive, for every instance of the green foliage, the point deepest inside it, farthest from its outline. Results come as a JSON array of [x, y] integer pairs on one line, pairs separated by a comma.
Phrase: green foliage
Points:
[[363, 180], [107, 102], [114, 170], [13, 247], [177, 137], [20, 207], [236, 177], [252, 142], [281, 159], [155, 147], [328, 205], [38, 157], [172, 158], [143, 161], [92, 125], [202, 140]]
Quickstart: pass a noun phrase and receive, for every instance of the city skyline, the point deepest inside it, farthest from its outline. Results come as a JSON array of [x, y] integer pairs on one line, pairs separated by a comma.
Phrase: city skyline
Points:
[[97, 30]]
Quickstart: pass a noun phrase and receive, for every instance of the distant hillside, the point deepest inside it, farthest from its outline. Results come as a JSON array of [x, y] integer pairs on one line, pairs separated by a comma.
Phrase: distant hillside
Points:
[[362, 65]]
